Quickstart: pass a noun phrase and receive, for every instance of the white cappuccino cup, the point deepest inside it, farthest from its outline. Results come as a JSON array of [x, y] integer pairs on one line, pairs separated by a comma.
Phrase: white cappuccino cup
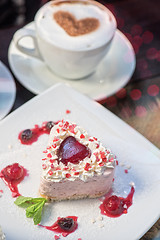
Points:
[[71, 36]]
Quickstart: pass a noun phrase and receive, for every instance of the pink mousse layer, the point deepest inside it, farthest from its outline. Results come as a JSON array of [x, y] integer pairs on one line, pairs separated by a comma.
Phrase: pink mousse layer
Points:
[[94, 187]]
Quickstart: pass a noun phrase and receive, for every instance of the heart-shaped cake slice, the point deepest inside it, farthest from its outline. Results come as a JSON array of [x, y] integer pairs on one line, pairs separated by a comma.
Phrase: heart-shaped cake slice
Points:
[[75, 164]]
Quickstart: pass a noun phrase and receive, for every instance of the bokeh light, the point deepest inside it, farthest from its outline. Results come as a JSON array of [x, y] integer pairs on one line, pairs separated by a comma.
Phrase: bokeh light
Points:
[[153, 90], [135, 94]]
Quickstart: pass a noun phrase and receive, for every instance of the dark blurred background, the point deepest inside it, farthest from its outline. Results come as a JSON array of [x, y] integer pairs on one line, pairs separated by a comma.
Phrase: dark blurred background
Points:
[[17, 12]]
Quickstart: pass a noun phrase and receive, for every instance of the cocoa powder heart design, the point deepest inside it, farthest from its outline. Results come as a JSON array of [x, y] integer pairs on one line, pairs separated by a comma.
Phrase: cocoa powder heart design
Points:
[[74, 27]]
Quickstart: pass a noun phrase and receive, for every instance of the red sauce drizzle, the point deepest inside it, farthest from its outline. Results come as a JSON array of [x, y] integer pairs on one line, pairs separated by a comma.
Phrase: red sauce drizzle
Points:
[[34, 133], [114, 206], [12, 175], [56, 227]]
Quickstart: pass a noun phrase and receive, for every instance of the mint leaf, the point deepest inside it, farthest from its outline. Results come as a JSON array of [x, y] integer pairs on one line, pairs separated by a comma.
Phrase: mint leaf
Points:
[[36, 200], [20, 200], [37, 216], [26, 204], [34, 207], [30, 211]]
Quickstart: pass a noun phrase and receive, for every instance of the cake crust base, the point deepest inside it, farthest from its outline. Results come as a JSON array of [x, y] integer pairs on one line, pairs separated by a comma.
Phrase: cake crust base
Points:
[[75, 197]]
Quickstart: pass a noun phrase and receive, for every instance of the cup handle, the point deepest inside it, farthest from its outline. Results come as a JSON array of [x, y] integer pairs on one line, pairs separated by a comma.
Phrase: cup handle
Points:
[[22, 33]]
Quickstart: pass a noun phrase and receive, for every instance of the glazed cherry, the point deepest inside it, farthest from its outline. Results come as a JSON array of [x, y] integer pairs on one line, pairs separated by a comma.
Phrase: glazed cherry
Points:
[[72, 151], [114, 205], [66, 224], [49, 125], [26, 134], [13, 172], [13, 175]]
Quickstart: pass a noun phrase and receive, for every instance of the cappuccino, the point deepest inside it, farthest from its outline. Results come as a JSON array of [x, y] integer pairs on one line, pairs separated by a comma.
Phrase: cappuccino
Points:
[[71, 36], [75, 25]]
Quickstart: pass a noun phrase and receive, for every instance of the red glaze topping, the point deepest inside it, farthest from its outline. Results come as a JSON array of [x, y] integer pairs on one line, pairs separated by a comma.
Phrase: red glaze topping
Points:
[[12, 175], [114, 206], [72, 151]]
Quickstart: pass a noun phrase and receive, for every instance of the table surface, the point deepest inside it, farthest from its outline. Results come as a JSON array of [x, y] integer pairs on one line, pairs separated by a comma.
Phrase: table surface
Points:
[[138, 103]]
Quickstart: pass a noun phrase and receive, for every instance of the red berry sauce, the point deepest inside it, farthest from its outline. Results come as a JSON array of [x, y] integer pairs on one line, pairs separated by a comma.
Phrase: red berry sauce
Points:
[[114, 206], [64, 226], [72, 151], [28, 136], [12, 175]]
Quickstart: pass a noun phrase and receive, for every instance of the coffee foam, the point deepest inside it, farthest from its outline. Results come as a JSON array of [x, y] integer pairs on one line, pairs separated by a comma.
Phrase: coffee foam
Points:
[[49, 29]]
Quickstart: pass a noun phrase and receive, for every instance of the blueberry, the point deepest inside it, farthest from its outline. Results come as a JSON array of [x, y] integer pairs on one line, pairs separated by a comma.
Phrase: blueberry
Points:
[[26, 134], [49, 125], [66, 223]]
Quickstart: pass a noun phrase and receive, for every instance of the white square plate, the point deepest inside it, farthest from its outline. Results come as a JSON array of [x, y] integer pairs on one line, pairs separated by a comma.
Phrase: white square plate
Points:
[[131, 149]]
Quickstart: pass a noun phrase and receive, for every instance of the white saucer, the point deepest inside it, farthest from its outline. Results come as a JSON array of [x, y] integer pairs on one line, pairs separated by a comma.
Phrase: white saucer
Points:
[[7, 90], [112, 74]]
